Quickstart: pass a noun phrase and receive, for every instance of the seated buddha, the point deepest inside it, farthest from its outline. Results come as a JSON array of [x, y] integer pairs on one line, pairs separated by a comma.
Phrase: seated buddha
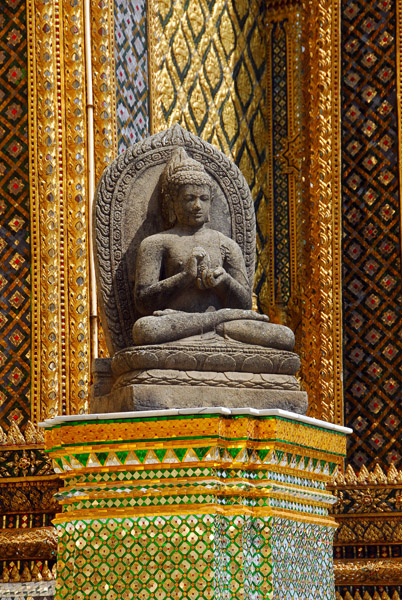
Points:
[[191, 281]]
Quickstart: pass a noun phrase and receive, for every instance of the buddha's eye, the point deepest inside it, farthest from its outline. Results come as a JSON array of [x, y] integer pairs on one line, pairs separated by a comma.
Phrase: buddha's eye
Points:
[[194, 198]]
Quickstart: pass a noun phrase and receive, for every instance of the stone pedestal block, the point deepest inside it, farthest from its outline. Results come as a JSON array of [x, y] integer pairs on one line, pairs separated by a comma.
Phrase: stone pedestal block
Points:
[[195, 505]]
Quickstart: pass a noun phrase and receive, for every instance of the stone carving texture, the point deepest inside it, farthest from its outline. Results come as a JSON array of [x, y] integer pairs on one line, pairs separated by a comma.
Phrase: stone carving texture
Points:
[[209, 378], [168, 202], [119, 231], [197, 358]]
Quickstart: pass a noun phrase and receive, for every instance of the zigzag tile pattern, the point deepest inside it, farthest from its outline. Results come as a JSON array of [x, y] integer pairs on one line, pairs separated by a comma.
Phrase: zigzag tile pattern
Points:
[[14, 218], [372, 235]]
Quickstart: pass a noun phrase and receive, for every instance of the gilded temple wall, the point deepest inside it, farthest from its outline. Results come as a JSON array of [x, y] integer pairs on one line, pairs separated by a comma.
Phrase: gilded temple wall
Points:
[[236, 74]]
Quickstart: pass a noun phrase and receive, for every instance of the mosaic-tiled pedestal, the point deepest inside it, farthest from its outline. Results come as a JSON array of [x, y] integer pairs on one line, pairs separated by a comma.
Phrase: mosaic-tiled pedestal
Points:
[[195, 505]]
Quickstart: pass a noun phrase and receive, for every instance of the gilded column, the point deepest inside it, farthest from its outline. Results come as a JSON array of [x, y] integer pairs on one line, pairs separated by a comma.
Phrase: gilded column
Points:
[[321, 348], [59, 209]]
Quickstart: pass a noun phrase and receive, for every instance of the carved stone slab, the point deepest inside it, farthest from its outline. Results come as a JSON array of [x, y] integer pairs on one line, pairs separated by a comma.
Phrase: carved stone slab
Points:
[[229, 379], [127, 209], [247, 359], [154, 396]]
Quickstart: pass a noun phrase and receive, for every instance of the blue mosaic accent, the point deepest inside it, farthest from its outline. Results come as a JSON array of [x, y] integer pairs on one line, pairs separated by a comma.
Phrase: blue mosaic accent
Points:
[[281, 187], [132, 94], [302, 560]]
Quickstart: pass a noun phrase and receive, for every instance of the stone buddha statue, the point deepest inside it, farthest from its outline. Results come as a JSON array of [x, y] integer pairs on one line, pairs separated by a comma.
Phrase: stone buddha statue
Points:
[[192, 279], [175, 252]]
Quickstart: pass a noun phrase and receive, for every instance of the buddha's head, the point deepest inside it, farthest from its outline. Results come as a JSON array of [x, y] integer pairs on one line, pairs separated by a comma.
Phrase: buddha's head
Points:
[[186, 191]]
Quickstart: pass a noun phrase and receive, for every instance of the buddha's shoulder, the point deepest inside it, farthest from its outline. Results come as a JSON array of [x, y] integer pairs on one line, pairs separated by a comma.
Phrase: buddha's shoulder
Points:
[[228, 242], [155, 240]]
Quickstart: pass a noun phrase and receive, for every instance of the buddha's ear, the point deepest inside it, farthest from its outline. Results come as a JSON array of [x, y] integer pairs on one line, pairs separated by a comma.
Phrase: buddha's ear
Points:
[[171, 214], [213, 190], [209, 213], [168, 214]]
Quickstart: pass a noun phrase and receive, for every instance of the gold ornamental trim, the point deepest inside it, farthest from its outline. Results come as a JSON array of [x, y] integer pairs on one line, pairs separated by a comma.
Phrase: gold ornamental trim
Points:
[[367, 517], [189, 509], [367, 493], [391, 478], [104, 84], [294, 437], [372, 528], [74, 240], [58, 148], [60, 210], [28, 478], [336, 181], [321, 349], [384, 596], [28, 544], [47, 163], [368, 572]]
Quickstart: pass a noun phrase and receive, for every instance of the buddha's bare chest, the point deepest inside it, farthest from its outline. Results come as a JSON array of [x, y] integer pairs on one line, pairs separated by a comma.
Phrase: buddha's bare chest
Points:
[[178, 252]]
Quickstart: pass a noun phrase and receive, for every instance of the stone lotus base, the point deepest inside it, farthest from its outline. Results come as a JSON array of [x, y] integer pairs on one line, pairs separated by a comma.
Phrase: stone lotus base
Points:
[[224, 356], [195, 505]]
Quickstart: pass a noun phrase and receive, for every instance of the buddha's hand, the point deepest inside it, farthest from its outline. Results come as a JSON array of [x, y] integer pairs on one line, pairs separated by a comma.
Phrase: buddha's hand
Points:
[[214, 277], [198, 260], [234, 314]]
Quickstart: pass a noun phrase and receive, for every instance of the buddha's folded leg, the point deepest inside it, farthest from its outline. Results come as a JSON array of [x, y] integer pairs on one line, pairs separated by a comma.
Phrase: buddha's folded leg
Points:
[[169, 326], [258, 333]]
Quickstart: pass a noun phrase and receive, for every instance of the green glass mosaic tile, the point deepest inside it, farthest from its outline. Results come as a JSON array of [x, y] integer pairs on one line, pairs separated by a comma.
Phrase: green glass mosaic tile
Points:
[[200, 557], [196, 557]]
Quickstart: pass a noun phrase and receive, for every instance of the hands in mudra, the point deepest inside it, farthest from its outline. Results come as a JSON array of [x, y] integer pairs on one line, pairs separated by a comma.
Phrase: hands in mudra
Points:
[[198, 269]]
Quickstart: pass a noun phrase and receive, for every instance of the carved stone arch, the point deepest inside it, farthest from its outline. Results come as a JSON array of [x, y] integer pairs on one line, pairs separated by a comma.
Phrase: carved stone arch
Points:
[[127, 209]]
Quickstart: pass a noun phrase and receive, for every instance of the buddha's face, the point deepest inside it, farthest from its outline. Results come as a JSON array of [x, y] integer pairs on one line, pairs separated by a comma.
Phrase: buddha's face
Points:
[[192, 204]]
